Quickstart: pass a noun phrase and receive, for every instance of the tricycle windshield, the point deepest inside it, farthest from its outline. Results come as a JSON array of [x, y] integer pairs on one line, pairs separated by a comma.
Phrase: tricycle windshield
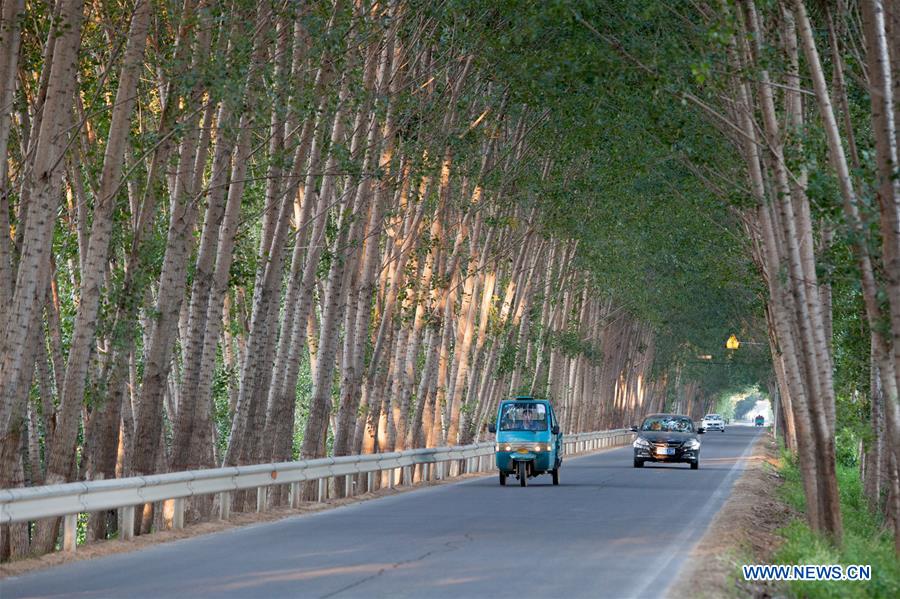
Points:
[[523, 416]]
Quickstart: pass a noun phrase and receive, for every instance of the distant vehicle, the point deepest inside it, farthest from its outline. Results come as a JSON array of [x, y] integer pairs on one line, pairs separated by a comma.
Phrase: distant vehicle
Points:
[[760, 420], [669, 438], [713, 422], [528, 439]]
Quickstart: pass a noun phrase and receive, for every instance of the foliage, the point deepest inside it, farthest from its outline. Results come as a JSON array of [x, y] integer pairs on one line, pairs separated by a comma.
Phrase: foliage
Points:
[[866, 541], [653, 235]]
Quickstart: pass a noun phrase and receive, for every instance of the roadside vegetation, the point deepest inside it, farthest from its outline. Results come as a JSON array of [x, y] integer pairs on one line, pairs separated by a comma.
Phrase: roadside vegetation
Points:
[[867, 539]]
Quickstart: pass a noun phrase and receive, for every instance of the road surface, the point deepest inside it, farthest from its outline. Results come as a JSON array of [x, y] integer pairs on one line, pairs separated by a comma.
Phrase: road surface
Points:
[[608, 530]]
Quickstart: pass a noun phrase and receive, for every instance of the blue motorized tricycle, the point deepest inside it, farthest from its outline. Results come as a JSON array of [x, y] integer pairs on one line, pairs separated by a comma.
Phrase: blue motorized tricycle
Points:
[[528, 439]]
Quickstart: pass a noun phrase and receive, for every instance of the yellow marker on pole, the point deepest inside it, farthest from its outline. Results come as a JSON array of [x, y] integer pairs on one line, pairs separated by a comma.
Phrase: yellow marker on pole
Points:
[[732, 342]]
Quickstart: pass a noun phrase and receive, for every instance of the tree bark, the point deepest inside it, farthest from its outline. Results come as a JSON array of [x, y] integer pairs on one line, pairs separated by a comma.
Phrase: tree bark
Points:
[[47, 168]]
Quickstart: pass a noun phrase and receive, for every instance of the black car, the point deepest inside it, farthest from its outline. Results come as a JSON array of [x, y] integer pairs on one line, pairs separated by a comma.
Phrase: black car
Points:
[[670, 438]]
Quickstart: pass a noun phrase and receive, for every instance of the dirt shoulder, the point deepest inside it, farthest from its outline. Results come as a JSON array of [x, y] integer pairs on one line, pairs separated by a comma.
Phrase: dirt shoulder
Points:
[[744, 531]]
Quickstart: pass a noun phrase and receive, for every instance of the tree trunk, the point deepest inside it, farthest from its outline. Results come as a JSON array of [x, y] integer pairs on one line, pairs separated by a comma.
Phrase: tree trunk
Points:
[[47, 167], [10, 39]]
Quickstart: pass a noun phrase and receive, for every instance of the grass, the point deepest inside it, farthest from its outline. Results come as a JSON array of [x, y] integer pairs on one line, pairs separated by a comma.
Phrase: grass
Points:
[[866, 542]]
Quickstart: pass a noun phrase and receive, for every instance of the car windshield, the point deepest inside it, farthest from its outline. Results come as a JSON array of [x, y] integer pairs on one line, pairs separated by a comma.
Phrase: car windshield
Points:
[[523, 416], [669, 424]]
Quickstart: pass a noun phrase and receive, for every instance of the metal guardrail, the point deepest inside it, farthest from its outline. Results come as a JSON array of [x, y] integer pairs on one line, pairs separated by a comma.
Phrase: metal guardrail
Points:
[[71, 499]]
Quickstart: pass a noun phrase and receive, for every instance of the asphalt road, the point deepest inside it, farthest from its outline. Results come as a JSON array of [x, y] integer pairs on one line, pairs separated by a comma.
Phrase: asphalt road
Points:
[[608, 530]]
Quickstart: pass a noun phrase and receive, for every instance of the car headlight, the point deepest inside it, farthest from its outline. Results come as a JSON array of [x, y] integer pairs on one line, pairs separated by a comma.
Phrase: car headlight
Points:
[[692, 444], [641, 442]]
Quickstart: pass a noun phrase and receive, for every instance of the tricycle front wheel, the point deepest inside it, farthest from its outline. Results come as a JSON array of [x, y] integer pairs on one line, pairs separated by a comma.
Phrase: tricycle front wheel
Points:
[[523, 474], [502, 479]]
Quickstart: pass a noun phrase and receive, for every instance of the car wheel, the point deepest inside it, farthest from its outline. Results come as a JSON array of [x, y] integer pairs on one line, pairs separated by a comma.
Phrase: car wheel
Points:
[[555, 473], [695, 465], [502, 479], [638, 463], [523, 474]]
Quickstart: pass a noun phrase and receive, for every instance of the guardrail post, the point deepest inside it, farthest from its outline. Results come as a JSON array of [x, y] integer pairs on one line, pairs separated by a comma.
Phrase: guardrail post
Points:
[[294, 495], [440, 471], [126, 524], [407, 476], [178, 513], [70, 532], [262, 496], [322, 494], [370, 481], [224, 505], [348, 485]]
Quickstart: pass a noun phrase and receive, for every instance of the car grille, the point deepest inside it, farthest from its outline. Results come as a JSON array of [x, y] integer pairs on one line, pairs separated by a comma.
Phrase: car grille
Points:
[[667, 444]]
